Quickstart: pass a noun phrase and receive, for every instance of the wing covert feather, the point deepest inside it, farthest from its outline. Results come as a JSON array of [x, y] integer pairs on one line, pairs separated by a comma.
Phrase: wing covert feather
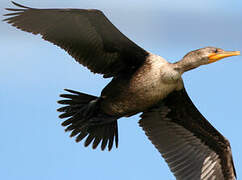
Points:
[[86, 34]]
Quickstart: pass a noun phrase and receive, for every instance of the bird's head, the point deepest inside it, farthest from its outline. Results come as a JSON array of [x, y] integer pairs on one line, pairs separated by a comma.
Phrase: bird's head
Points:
[[204, 56]]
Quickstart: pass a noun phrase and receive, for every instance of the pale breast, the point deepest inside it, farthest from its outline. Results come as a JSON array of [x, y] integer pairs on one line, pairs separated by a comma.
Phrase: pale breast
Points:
[[149, 85]]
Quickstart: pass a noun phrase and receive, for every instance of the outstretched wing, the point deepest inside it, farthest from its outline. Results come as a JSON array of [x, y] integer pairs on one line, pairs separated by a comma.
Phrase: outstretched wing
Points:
[[191, 146], [86, 34]]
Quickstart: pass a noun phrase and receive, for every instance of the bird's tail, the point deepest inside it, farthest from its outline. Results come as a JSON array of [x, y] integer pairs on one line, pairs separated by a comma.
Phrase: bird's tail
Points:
[[85, 119]]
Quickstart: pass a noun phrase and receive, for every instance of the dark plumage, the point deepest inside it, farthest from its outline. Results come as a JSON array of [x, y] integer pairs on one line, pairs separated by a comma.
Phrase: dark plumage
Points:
[[106, 52], [142, 82], [181, 121]]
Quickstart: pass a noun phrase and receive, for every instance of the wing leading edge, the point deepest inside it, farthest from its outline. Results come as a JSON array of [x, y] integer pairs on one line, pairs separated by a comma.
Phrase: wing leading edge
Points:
[[190, 145], [86, 34]]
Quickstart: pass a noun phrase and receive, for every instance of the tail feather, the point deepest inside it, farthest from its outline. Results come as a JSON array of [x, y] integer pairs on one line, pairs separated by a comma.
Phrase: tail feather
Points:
[[85, 120]]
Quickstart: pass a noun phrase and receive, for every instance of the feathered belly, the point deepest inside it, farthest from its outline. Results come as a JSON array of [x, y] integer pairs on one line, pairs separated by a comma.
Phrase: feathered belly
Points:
[[152, 82], [133, 97]]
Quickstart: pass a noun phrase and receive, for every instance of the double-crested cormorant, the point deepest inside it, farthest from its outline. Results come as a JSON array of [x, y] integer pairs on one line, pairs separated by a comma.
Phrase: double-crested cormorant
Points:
[[142, 82]]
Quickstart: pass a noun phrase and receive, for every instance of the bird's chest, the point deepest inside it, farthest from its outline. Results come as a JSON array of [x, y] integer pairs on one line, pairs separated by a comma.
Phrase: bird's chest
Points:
[[147, 87], [153, 87]]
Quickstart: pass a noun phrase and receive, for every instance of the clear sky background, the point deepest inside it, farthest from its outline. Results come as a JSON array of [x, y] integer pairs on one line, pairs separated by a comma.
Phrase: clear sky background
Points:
[[33, 73]]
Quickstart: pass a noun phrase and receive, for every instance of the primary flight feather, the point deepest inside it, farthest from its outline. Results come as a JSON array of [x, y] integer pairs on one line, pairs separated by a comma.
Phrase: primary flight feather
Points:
[[142, 82]]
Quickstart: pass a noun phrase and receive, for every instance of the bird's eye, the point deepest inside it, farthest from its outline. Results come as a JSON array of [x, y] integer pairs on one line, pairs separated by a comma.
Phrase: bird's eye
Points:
[[217, 50]]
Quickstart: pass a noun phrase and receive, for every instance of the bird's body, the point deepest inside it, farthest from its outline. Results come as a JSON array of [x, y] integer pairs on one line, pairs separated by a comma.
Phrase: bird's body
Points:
[[142, 82], [128, 95]]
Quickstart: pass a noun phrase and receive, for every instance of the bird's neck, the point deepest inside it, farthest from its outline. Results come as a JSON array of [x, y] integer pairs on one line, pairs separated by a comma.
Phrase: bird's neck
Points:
[[185, 65]]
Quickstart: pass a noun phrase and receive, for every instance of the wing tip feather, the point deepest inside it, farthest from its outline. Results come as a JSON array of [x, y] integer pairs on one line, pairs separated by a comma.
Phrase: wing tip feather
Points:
[[19, 5]]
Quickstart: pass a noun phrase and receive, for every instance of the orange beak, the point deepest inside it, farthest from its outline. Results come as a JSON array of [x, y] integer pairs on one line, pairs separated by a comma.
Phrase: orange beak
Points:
[[213, 57]]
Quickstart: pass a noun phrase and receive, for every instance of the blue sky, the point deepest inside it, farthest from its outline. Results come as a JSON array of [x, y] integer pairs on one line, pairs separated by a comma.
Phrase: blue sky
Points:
[[34, 72]]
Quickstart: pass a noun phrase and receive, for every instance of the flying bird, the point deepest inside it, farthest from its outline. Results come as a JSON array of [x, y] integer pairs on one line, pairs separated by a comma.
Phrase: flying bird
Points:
[[141, 82]]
